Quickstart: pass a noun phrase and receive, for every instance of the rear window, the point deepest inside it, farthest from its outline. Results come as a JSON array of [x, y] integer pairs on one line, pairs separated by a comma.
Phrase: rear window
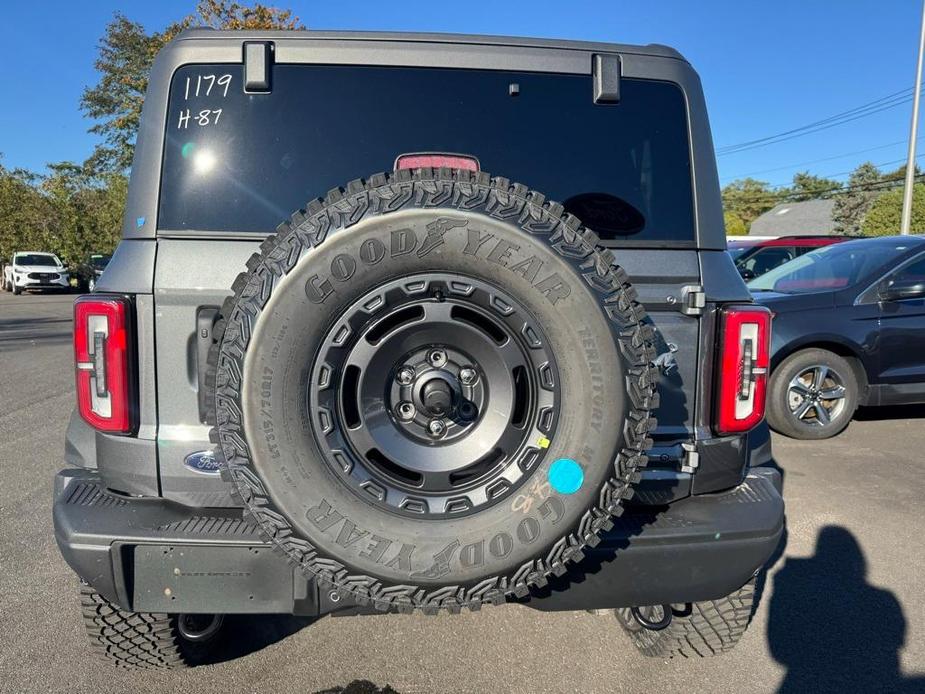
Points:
[[764, 259], [99, 262], [830, 267], [244, 162]]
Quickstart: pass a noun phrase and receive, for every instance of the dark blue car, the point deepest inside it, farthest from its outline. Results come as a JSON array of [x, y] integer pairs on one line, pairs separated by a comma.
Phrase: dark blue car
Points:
[[848, 330]]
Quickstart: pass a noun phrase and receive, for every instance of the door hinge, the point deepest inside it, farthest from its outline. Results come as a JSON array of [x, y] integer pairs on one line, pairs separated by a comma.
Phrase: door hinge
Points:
[[691, 460], [693, 299]]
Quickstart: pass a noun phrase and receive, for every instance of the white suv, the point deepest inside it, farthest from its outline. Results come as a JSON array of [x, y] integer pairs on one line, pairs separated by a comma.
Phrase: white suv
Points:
[[34, 270]]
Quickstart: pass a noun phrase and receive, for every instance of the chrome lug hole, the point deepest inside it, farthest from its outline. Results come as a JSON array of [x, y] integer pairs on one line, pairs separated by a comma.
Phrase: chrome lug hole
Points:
[[405, 411], [437, 358], [468, 376], [436, 427], [405, 376]]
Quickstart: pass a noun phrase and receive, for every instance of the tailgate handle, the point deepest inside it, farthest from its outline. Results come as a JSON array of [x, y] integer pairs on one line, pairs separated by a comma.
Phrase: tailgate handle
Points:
[[205, 324]]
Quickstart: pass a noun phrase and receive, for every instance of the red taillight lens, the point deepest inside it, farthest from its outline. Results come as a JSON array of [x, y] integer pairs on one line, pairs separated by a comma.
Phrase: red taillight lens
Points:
[[745, 344], [102, 352], [436, 160]]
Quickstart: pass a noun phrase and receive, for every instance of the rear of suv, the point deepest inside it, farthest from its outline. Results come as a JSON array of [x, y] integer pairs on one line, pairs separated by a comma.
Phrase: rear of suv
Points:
[[305, 387]]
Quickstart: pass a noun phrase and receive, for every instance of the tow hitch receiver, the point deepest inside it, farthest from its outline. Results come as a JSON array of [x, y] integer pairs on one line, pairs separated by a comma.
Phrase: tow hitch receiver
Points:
[[649, 621]]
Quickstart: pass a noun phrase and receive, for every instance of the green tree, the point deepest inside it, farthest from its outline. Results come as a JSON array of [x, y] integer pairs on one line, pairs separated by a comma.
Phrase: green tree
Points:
[[808, 187], [126, 54], [863, 187], [86, 208], [24, 212], [734, 224], [747, 198], [899, 175], [72, 211], [885, 214]]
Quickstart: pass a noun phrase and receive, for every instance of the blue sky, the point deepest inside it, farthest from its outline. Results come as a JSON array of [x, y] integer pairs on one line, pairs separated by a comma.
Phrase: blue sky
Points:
[[767, 67]]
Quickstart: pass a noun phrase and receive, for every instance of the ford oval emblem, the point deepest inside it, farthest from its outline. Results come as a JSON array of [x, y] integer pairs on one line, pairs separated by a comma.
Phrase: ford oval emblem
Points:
[[203, 462]]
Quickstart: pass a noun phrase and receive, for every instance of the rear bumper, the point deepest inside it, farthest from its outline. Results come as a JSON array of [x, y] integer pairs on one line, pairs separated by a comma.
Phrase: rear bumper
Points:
[[150, 555]]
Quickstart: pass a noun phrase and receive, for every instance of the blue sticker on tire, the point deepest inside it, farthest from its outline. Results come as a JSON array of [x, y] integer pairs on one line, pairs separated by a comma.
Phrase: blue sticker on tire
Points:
[[566, 476]]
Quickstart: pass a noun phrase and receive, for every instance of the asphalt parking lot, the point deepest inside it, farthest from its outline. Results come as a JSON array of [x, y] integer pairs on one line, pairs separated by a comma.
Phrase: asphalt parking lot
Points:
[[843, 608]]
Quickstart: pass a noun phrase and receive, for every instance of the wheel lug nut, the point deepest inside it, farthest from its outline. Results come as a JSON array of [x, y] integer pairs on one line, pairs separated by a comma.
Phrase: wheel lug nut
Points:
[[405, 375], [405, 411], [468, 376], [437, 357], [436, 427]]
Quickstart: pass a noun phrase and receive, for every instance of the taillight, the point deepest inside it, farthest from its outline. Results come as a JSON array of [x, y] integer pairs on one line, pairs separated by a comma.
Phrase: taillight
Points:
[[436, 160], [745, 346], [102, 354]]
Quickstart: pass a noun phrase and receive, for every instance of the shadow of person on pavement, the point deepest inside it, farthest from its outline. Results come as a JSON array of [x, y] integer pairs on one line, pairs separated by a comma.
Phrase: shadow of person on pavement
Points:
[[833, 630]]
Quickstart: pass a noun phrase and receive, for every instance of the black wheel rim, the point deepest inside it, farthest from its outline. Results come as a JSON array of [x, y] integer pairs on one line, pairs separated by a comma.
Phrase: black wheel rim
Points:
[[434, 395]]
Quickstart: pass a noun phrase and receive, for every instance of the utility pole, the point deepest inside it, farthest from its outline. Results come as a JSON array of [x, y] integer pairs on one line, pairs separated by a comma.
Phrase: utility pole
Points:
[[910, 163]]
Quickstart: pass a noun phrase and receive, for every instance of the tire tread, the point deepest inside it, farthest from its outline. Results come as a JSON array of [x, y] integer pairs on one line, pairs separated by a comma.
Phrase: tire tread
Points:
[[712, 627], [136, 640]]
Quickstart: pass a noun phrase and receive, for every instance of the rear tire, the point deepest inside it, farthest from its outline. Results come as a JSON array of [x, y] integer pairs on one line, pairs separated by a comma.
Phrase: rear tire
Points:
[[697, 630], [797, 402], [147, 641]]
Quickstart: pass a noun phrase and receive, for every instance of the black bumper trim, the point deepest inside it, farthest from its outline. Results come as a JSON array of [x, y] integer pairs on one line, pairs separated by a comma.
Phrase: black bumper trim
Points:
[[699, 548]]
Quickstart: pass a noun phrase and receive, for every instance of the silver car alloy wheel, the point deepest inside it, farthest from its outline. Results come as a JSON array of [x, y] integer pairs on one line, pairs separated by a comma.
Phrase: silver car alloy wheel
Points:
[[816, 395]]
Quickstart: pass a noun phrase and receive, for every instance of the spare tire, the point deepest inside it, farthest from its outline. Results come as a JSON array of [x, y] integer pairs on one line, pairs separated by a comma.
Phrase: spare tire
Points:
[[432, 389]]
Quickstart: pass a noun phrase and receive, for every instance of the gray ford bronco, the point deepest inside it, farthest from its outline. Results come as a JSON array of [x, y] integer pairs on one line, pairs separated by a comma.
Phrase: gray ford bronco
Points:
[[337, 367]]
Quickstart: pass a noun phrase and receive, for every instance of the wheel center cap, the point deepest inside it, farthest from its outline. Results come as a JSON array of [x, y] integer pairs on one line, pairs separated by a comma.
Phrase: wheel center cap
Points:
[[437, 396]]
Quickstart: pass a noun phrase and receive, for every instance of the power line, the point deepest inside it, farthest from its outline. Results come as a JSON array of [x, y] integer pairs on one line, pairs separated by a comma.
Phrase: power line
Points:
[[848, 173], [813, 130], [882, 104], [818, 161]]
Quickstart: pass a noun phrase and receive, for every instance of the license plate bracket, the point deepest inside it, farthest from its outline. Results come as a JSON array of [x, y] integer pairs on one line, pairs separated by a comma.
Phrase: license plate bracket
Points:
[[211, 579]]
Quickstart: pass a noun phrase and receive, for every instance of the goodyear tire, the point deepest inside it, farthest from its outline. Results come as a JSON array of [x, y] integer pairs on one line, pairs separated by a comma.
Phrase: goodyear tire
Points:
[[432, 389]]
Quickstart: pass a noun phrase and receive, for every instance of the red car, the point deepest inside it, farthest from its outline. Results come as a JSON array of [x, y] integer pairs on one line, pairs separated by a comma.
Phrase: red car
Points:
[[763, 256]]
